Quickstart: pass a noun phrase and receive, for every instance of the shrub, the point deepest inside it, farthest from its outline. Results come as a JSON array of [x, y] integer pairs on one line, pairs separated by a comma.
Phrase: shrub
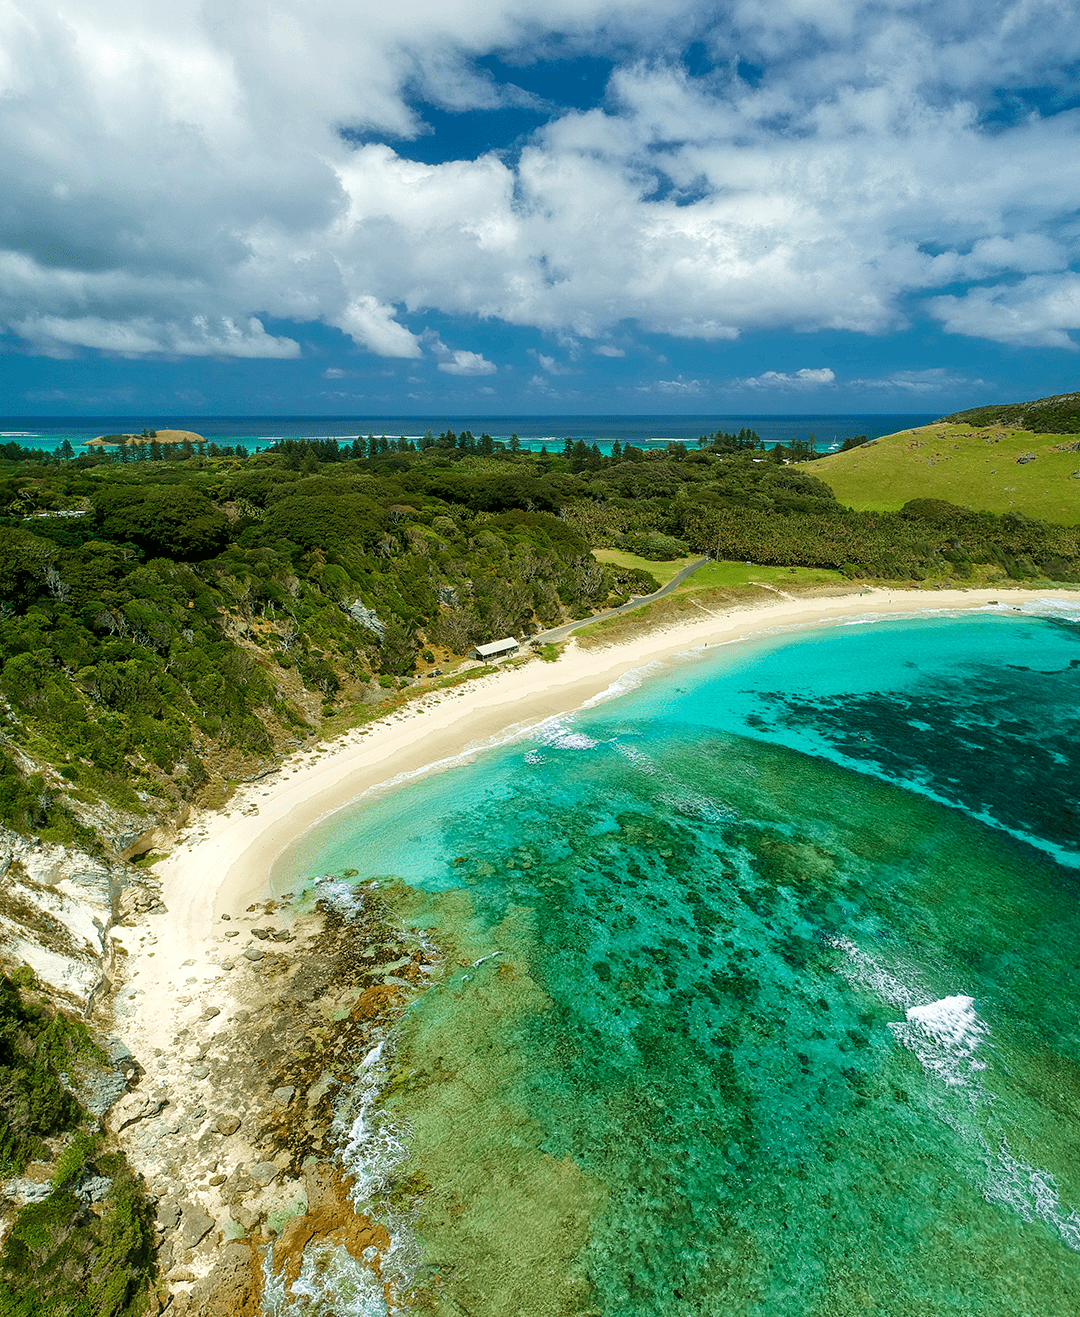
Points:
[[653, 545]]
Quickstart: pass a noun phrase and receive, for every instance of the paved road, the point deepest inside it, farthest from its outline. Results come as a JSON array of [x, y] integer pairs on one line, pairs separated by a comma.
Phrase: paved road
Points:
[[561, 632]]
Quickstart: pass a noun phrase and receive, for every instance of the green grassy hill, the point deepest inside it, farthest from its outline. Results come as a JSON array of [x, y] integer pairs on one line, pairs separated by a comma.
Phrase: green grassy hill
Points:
[[987, 468]]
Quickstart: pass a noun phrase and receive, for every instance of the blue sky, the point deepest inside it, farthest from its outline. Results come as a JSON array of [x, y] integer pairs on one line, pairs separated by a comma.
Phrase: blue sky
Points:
[[335, 207]]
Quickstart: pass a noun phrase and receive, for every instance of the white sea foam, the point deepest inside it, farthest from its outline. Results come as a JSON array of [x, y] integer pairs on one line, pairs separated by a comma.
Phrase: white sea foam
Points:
[[516, 732], [559, 736], [945, 1035], [339, 892], [694, 805], [1048, 607], [1068, 609], [331, 1283], [638, 758], [629, 681], [1031, 1193], [863, 971], [372, 1146], [952, 1020]]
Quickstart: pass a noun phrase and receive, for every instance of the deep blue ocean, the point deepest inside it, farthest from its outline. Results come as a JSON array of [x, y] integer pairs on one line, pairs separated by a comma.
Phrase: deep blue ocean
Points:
[[761, 994], [262, 431]]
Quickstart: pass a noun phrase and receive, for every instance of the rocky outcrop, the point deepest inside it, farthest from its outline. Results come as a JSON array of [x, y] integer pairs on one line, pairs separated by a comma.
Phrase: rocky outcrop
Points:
[[235, 1122], [57, 906]]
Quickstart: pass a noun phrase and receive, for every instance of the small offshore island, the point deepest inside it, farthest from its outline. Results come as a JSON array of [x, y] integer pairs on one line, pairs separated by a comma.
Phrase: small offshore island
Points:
[[205, 653]]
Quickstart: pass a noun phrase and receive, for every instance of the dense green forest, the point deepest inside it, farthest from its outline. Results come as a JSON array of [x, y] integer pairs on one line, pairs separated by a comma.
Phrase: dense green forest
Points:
[[169, 621], [1059, 414]]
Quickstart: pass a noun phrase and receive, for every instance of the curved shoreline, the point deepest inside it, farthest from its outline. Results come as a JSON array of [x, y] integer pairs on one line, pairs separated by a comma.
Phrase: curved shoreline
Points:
[[239, 845], [186, 995], [223, 862]]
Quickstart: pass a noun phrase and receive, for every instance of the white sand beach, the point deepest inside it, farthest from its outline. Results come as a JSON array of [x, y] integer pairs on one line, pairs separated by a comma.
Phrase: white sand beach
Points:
[[221, 863]]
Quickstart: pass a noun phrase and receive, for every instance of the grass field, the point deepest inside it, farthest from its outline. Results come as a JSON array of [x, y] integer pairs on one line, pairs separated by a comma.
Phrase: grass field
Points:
[[662, 572], [735, 575], [717, 586], [976, 468], [721, 575]]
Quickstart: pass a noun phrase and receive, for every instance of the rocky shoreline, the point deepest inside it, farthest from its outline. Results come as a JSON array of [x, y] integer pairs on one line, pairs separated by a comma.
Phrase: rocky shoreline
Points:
[[232, 1128], [233, 1124]]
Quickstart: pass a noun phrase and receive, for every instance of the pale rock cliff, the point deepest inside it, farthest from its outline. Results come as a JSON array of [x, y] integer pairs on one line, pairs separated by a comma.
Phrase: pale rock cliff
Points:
[[57, 907]]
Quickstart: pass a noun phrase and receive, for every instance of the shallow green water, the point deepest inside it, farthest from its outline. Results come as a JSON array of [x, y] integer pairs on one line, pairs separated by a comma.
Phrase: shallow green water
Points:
[[768, 1032]]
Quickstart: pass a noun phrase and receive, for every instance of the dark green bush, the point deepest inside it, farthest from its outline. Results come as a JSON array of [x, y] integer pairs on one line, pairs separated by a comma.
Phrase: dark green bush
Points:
[[61, 1259], [36, 1046]]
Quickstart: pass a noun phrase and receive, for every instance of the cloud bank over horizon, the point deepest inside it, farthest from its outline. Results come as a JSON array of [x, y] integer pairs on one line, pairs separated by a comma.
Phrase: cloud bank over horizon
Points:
[[193, 182]]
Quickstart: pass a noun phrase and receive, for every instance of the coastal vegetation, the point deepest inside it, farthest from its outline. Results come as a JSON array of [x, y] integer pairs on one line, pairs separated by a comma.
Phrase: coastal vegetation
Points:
[[84, 1247], [168, 626], [1059, 414]]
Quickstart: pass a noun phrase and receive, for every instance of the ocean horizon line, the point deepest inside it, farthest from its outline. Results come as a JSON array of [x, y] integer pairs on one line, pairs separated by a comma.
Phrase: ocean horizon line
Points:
[[338, 418], [642, 429]]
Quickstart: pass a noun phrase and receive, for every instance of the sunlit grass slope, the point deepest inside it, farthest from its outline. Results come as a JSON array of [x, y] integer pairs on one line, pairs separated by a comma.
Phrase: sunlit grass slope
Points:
[[988, 468], [721, 575], [661, 572]]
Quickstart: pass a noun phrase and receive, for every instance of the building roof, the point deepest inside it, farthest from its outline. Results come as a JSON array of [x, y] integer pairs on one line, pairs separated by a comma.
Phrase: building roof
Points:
[[497, 647]]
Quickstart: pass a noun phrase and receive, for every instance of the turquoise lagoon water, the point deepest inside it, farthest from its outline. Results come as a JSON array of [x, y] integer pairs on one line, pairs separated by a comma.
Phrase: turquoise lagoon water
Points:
[[785, 1013]]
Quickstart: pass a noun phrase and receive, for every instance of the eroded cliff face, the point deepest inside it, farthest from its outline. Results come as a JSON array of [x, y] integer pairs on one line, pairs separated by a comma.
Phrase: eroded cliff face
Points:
[[57, 907]]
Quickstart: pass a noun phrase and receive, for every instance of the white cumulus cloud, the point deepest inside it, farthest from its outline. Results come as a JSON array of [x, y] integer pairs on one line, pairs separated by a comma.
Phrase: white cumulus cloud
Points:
[[1037, 312], [467, 363], [551, 365], [143, 336], [800, 379], [373, 326], [677, 386], [177, 176]]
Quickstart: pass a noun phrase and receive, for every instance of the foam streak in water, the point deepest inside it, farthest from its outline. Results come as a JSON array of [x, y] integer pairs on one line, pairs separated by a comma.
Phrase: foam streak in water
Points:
[[863, 971], [945, 1036], [1031, 1193], [559, 736], [627, 682], [331, 1283]]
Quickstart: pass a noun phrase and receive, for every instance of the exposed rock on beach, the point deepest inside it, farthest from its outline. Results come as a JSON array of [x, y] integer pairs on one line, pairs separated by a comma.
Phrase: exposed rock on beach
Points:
[[232, 1125]]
